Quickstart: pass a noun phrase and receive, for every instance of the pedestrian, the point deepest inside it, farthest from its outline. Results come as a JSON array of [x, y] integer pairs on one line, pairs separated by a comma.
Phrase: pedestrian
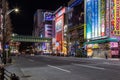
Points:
[[106, 56]]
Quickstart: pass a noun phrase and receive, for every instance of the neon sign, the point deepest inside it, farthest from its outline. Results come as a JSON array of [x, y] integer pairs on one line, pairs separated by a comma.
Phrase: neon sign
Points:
[[117, 14], [102, 17], [116, 17]]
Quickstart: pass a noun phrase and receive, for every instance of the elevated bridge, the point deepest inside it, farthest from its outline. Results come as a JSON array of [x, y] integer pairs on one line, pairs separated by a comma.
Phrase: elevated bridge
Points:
[[21, 38]]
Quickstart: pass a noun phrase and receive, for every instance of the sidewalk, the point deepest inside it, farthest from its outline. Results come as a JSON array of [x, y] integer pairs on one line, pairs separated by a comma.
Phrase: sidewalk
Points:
[[14, 68]]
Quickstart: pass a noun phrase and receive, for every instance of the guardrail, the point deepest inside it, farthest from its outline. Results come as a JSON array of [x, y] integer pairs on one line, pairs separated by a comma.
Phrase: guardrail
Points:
[[6, 75]]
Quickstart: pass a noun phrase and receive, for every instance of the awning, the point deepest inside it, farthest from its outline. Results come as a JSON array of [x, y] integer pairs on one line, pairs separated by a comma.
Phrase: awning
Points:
[[102, 41]]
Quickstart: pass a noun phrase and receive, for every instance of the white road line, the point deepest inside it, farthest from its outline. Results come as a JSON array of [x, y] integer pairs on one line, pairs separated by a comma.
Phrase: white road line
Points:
[[93, 67], [59, 68], [31, 60], [107, 63]]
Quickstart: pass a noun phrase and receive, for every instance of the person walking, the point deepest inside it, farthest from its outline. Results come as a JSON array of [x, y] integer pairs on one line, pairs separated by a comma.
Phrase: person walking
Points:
[[106, 56]]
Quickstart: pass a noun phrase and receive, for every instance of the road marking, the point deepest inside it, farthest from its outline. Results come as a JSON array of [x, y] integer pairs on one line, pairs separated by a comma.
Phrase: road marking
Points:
[[107, 63], [31, 60], [59, 68], [93, 67]]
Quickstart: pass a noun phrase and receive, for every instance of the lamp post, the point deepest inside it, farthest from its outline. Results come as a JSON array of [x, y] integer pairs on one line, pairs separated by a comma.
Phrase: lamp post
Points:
[[4, 18]]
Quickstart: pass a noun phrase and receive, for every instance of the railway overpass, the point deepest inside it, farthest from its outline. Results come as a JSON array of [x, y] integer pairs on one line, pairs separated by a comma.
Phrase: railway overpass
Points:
[[21, 38]]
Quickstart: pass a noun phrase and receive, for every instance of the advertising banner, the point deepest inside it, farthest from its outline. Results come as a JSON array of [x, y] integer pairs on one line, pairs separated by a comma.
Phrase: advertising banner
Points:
[[117, 14], [115, 18], [59, 40], [48, 16], [93, 18], [102, 17], [59, 23], [99, 28], [88, 18], [96, 17], [112, 17], [107, 31]]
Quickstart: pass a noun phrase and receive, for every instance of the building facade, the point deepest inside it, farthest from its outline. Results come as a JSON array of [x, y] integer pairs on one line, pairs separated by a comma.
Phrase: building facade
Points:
[[43, 28], [102, 28], [76, 27], [59, 42]]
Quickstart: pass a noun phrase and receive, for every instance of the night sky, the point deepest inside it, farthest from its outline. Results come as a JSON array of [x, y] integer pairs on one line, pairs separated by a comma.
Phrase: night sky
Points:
[[23, 21]]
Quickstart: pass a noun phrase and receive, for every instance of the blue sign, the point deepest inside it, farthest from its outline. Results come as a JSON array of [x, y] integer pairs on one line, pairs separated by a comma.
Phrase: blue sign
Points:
[[6, 46]]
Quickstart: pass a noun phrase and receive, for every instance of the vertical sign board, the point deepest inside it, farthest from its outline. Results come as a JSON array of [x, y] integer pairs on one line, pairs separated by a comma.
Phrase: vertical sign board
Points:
[[88, 18], [117, 14], [112, 22], [96, 17], [59, 26], [115, 17], [102, 17], [93, 18], [99, 28], [107, 31], [59, 32]]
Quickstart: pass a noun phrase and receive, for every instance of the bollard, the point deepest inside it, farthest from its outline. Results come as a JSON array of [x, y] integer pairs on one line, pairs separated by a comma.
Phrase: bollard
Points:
[[14, 77]]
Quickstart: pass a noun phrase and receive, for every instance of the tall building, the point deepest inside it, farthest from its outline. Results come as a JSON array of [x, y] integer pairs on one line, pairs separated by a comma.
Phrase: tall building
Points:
[[43, 28], [102, 27], [76, 27], [59, 41]]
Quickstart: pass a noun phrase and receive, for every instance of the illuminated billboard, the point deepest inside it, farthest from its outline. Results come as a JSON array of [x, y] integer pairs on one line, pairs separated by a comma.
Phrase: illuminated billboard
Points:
[[59, 23], [95, 18], [102, 17], [88, 19], [48, 16], [113, 44], [107, 31], [59, 31], [59, 26], [117, 17]]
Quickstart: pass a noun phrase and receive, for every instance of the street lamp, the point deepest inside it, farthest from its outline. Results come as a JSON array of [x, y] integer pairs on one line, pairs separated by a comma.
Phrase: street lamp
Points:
[[9, 11], [4, 16]]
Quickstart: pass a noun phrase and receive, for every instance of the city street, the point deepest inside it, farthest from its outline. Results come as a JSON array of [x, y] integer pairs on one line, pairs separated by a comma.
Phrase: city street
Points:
[[41, 67]]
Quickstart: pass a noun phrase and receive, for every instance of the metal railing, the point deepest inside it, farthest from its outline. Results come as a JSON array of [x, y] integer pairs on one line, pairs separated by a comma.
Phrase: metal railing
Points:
[[6, 75]]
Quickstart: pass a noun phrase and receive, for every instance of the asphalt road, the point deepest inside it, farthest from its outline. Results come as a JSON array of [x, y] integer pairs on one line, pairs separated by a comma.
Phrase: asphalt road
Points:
[[67, 68]]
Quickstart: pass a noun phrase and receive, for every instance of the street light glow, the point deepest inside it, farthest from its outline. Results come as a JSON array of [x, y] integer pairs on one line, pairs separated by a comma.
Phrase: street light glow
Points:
[[15, 9]]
